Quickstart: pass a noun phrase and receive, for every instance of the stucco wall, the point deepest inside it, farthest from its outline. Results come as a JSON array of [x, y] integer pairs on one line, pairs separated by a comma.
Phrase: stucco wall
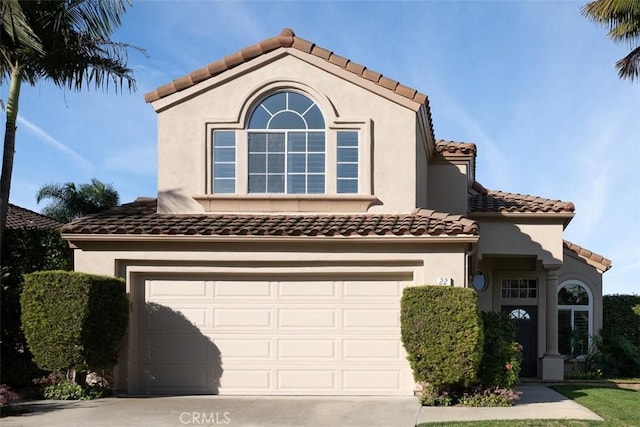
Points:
[[506, 236], [424, 263], [183, 134], [448, 187], [427, 262]]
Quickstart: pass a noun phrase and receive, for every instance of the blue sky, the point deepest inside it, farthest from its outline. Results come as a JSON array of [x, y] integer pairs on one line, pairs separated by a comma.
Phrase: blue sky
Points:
[[532, 83]]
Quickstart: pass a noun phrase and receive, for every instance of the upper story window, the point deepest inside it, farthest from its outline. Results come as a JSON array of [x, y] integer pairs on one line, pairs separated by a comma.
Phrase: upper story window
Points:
[[286, 141], [347, 162], [224, 162], [285, 149]]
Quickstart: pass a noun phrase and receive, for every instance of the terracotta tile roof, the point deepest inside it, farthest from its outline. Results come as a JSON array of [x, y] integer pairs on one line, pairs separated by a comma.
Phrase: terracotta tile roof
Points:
[[598, 261], [18, 217], [141, 218], [455, 148], [499, 201], [286, 39]]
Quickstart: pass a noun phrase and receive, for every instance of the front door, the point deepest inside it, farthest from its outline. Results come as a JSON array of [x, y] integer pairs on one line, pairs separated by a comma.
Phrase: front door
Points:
[[527, 335]]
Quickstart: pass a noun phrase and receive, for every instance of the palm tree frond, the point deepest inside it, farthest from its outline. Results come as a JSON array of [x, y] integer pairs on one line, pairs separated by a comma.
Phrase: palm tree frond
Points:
[[629, 66], [623, 19], [16, 28], [70, 201], [99, 18]]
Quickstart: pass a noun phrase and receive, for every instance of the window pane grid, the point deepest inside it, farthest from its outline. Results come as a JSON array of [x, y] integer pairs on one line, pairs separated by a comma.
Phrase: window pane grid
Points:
[[574, 319], [286, 110], [299, 155], [347, 162], [224, 161], [519, 288]]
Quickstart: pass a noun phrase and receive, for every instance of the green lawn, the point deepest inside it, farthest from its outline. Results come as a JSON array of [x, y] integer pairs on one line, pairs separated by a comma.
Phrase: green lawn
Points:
[[618, 407]]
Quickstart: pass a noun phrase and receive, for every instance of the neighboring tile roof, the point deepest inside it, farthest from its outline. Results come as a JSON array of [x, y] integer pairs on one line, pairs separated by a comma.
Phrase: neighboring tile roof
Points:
[[18, 217], [141, 218], [286, 39], [455, 148], [500, 201], [591, 258]]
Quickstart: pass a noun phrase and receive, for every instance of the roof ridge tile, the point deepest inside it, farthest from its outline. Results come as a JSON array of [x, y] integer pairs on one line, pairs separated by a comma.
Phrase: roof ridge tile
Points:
[[286, 39]]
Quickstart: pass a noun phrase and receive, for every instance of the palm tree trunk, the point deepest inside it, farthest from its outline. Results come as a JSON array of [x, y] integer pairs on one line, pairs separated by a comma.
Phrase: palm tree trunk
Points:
[[9, 148]]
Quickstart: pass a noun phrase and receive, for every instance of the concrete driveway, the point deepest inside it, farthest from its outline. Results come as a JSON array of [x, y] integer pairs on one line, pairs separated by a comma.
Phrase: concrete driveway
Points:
[[536, 402], [219, 410]]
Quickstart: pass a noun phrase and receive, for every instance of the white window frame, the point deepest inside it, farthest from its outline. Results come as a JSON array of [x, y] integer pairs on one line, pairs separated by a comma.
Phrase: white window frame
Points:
[[214, 161], [286, 153], [588, 307], [365, 159], [357, 162]]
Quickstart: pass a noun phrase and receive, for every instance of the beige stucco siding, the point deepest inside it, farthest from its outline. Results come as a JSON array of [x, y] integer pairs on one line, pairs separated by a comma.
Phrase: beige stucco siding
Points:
[[448, 183], [184, 128], [426, 262], [506, 236], [415, 263]]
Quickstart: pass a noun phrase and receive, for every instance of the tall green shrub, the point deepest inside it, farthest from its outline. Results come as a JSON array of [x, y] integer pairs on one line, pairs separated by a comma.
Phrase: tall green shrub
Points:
[[442, 334], [74, 320], [501, 354], [619, 341], [24, 251]]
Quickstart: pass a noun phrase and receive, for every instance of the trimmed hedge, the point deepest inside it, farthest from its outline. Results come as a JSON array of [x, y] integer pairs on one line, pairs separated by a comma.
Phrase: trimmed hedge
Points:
[[621, 316], [74, 320], [619, 341], [24, 251], [442, 334]]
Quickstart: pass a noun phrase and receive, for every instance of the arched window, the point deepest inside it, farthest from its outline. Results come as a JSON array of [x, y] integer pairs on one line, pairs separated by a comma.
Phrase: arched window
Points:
[[286, 146], [575, 318], [519, 313]]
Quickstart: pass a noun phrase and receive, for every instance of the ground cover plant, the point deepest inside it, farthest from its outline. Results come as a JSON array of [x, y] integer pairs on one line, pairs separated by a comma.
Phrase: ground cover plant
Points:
[[617, 406]]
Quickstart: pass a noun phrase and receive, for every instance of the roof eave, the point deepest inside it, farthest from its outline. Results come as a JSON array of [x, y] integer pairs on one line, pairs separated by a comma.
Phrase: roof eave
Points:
[[600, 263], [459, 238], [566, 217]]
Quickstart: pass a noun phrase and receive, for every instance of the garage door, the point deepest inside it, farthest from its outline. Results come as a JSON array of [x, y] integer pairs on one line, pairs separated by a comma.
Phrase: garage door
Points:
[[314, 337]]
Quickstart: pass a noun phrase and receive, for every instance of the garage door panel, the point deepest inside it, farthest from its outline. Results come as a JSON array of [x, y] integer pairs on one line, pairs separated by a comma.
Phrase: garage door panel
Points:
[[307, 379], [325, 289], [158, 290], [293, 349], [250, 348], [294, 318], [158, 317], [272, 337], [245, 379], [242, 317], [176, 379], [232, 289], [378, 349], [376, 379], [175, 348], [374, 318]]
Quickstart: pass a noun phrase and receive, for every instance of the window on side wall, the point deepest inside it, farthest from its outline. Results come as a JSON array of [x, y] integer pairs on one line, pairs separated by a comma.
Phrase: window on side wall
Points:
[[575, 318]]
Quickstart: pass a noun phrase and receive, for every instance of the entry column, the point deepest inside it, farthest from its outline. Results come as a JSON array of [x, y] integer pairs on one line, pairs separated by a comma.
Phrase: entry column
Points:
[[552, 361]]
